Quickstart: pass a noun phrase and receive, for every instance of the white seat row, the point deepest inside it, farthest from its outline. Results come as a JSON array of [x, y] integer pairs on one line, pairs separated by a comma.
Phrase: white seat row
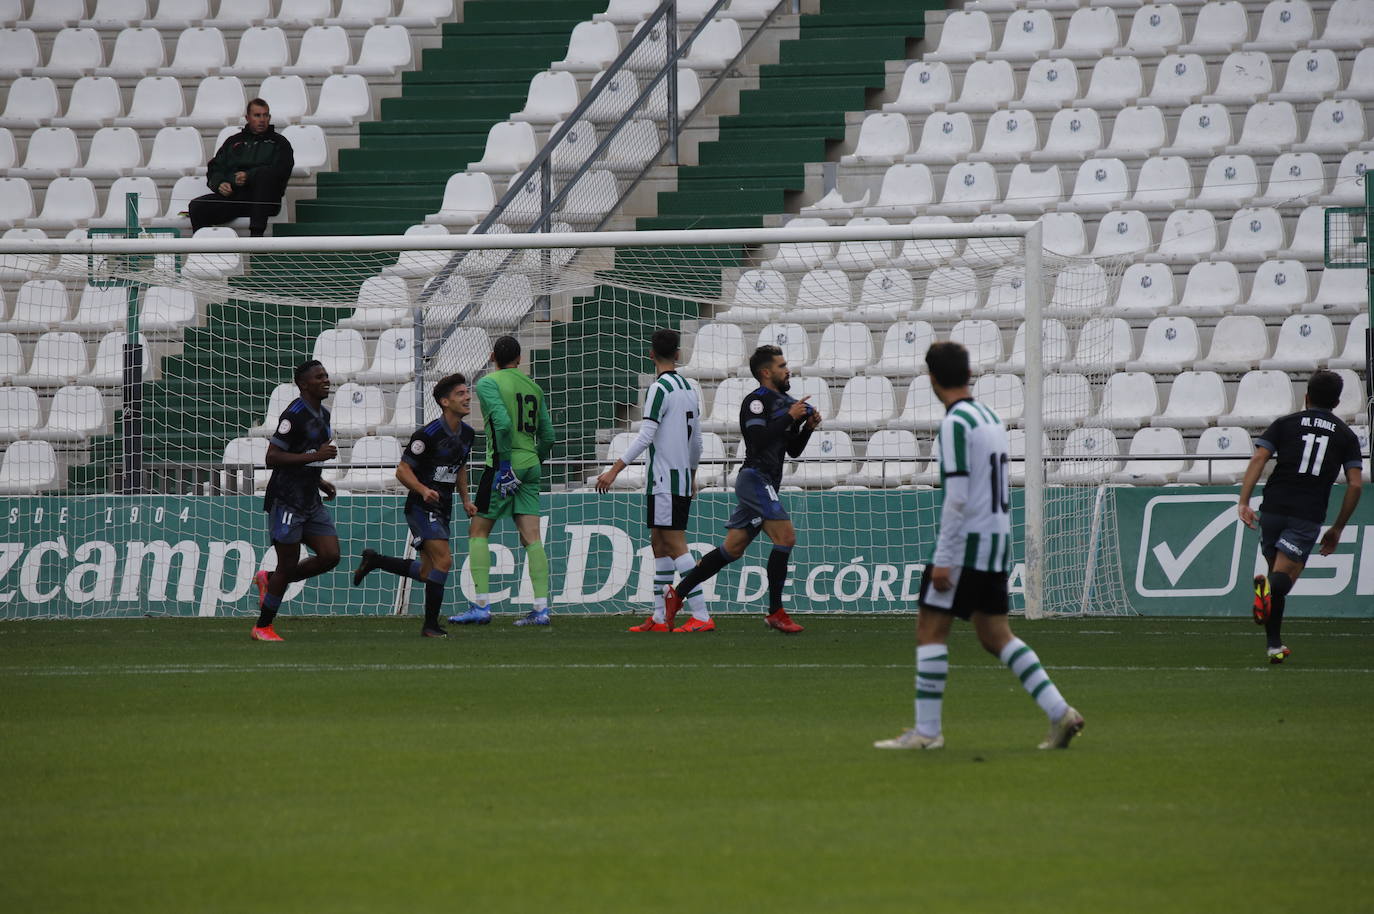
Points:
[[1118, 82], [369, 466], [262, 51], [468, 197], [159, 101], [118, 152], [553, 95], [77, 412], [1170, 343], [1138, 131], [1163, 181], [50, 15], [1194, 399], [632, 12], [72, 201], [398, 421], [593, 45], [1097, 30], [896, 457], [60, 358], [1278, 287]]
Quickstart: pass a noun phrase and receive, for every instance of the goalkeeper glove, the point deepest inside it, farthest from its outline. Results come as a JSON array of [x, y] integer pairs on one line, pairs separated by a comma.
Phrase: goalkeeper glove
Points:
[[506, 482]]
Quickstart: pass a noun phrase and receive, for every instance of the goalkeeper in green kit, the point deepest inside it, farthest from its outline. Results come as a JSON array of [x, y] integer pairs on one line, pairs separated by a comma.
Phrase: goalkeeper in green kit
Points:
[[519, 440]]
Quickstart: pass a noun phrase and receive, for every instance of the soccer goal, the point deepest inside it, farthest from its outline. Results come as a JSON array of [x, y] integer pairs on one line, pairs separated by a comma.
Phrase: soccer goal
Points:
[[147, 375]]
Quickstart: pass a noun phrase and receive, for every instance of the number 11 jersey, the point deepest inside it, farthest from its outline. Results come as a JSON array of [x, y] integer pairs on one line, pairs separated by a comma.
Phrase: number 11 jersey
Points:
[[1311, 448]]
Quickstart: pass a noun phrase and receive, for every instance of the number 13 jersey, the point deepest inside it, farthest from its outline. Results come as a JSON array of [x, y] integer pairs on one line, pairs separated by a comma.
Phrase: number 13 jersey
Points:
[[517, 420]]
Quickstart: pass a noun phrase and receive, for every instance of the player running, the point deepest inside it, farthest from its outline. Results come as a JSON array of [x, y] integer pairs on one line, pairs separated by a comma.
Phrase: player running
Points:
[[519, 439], [1311, 447], [671, 433], [968, 575], [434, 463], [773, 424], [296, 454]]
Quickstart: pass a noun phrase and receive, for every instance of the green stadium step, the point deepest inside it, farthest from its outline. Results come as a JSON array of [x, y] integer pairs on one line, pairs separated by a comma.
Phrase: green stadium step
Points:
[[333, 226], [794, 150], [679, 204], [831, 50], [800, 101]]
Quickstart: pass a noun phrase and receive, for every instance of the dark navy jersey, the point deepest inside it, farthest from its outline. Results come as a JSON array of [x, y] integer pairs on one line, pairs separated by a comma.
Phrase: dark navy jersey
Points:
[[300, 430], [437, 455], [1311, 449], [770, 433]]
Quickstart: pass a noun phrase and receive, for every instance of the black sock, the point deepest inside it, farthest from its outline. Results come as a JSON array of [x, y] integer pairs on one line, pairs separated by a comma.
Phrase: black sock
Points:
[[1279, 585], [434, 598], [709, 566], [268, 611], [777, 575], [396, 565]]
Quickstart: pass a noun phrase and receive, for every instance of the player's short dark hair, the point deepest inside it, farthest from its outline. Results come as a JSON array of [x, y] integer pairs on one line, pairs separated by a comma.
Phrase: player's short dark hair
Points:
[[505, 351], [948, 364], [666, 343], [256, 103], [445, 387], [304, 368], [1324, 389], [762, 358]]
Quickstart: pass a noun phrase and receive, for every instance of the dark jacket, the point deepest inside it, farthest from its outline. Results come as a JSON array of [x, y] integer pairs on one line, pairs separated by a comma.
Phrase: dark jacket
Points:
[[266, 157]]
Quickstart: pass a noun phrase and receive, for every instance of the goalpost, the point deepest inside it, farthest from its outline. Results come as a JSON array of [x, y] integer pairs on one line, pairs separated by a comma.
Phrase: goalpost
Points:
[[154, 370]]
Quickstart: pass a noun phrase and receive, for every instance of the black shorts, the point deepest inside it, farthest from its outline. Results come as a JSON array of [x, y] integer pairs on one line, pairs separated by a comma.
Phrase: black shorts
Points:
[[1293, 536], [977, 591], [665, 511]]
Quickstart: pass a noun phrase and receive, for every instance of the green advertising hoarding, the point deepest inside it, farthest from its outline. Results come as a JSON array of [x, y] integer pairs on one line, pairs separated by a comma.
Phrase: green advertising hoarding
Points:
[[1182, 553]]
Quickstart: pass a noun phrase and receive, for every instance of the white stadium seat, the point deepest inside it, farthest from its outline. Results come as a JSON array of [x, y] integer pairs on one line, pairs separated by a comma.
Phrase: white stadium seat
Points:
[[28, 467], [1239, 342], [1229, 447], [386, 49], [77, 413], [1305, 342], [717, 351], [1149, 442], [1260, 396]]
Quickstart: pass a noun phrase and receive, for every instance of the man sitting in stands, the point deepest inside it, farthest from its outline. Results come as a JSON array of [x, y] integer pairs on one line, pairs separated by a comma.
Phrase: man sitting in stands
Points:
[[248, 175]]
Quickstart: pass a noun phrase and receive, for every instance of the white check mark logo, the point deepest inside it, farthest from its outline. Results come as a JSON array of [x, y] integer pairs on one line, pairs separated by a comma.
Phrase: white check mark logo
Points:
[[1174, 566]]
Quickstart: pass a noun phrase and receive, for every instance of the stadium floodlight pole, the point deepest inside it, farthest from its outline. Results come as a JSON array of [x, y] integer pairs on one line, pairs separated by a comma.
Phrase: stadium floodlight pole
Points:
[[1033, 490]]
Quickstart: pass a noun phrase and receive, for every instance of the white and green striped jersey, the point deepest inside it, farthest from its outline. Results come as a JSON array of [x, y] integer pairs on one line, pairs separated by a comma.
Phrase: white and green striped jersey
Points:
[[974, 456], [672, 434]]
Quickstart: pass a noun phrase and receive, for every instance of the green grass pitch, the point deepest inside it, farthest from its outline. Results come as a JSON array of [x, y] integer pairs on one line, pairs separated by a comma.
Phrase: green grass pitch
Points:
[[173, 765]]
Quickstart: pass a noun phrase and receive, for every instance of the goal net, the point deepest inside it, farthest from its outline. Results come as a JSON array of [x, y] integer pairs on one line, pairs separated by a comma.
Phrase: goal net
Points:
[[146, 376]]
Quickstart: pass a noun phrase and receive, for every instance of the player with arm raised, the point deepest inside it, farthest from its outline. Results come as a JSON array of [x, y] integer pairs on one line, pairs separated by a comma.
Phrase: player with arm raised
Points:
[[519, 439], [434, 463], [967, 577], [773, 425], [296, 453], [671, 434], [1311, 448]]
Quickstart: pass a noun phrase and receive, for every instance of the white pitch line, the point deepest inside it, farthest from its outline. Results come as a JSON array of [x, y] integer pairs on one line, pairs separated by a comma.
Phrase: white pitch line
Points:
[[207, 669]]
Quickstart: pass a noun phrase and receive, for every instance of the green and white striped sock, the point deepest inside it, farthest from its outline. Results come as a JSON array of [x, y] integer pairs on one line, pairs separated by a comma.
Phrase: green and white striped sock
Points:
[[663, 576], [1021, 660], [932, 669]]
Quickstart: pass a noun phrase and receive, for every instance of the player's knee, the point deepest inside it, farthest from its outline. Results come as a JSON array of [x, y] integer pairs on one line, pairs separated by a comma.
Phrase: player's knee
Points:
[[786, 539], [328, 558], [1280, 582], [444, 563]]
